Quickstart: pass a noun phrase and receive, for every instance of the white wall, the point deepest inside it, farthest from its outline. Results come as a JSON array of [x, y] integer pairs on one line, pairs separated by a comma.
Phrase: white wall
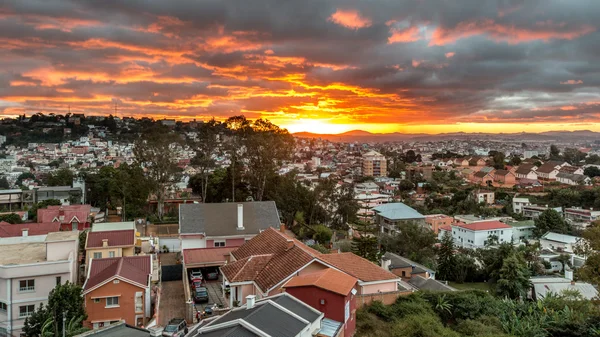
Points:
[[476, 239], [190, 242]]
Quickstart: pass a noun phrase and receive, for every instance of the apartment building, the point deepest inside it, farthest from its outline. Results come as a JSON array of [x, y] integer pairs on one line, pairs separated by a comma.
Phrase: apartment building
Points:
[[580, 217], [374, 164], [30, 267], [477, 234], [108, 244]]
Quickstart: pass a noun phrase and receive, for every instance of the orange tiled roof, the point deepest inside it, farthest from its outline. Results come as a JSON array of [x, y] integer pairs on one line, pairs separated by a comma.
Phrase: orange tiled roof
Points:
[[356, 266], [327, 279]]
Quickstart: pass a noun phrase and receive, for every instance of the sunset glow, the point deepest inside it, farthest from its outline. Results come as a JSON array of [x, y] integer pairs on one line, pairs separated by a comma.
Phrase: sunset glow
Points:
[[317, 66]]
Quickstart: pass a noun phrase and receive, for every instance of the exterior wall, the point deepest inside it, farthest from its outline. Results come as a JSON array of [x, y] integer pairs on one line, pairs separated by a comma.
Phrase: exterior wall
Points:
[[386, 298], [435, 223], [474, 239], [97, 312], [196, 241], [233, 242], [333, 306], [311, 268], [522, 233], [89, 253], [378, 288], [554, 245]]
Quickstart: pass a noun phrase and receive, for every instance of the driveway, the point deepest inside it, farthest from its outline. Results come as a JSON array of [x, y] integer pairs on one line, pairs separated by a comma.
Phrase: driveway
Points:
[[214, 295], [172, 302]]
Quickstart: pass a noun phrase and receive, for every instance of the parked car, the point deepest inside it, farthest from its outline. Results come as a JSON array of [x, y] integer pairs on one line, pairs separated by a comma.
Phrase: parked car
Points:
[[195, 275], [177, 327], [212, 274], [200, 295], [208, 310], [196, 284]]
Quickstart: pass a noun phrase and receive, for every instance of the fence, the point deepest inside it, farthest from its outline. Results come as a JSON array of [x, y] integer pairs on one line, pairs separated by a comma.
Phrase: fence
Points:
[[386, 297]]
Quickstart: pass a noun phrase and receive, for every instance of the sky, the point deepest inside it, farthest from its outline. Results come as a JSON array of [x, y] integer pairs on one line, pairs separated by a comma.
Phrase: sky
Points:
[[324, 66]]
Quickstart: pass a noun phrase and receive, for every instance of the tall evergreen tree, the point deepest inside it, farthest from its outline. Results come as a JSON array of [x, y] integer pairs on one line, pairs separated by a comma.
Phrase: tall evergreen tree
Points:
[[550, 221], [513, 281], [446, 259], [365, 244]]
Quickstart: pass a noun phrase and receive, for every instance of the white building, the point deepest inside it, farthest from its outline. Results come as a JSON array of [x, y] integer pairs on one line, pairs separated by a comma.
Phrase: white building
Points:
[[519, 203], [581, 217], [476, 234], [30, 267], [562, 244], [522, 230]]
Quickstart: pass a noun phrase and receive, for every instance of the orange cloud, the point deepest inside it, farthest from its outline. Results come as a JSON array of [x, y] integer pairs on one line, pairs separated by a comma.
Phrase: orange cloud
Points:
[[409, 34], [349, 19], [507, 33], [572, 82], [449, 55]]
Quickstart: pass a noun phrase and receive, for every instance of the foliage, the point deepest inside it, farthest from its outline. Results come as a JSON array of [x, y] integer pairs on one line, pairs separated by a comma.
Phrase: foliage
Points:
[[322, 234], [64, 299], [61, 177], [319, 247], [32, 212], [23, 176], [589, 247], [365, 244], [4, 183], [550, 221], [12, 218], [207, 148], [592, 171], [445, 260], [413, 242], [513, 278]]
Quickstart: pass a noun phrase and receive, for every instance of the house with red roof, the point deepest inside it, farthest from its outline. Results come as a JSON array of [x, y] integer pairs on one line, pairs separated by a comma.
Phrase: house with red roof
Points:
[[262, 265], [118, 289], [477, 233], [8, 230], [70, 217], [331, 292], [111, 243]]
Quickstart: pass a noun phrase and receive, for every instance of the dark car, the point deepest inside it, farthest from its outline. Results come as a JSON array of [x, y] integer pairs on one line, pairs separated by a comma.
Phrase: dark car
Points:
[[177, 327], [208, 310], [200, 295], [212, 274]]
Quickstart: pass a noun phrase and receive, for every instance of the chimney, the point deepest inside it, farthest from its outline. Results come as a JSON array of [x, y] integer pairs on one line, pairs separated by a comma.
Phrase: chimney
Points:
[[25, 231], [282, 228], [250, 301], [240, 217], [104, 243], [386, 263], [61, 211], [290, 244]]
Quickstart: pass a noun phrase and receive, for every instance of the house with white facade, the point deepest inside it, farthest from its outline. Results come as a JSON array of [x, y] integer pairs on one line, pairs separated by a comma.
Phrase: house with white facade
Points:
[[30, 267], [522, 230], [562, 244], [532, 212], [477, 234], [581, 218]]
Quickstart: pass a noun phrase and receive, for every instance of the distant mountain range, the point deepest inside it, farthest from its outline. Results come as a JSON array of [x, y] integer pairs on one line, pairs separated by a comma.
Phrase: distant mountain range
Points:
[[365, 136]]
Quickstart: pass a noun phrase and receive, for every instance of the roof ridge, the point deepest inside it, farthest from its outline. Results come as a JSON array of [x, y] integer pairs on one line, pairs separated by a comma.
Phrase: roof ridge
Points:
[[120, 266], [244, 265]]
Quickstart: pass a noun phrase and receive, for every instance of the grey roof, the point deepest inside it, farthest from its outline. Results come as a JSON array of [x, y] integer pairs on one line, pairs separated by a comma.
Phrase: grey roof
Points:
[[422, 283], [266, 316], [117, 330], [571, 176], [398, 211], [57, 188], [398, 261], [560, 237], [221, 218], [557, 285]]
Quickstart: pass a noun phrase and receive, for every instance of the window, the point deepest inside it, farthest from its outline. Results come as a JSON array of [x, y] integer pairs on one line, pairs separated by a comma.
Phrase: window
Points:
[[58, 280], [3, 306], [26, 285], [111, 254], [74, 225], [112, 302], [98, 255], [26, 310], [219, 243], [403, 273]]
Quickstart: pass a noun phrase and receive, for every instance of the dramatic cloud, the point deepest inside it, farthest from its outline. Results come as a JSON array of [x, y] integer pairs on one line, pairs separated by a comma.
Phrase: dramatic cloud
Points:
[[382, 65]]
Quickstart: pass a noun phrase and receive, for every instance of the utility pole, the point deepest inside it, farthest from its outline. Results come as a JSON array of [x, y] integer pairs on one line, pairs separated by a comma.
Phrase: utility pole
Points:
[[64, 321]]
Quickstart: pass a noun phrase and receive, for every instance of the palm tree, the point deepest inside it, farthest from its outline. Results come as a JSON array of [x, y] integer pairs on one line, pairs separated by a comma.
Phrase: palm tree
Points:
[[72, 328]]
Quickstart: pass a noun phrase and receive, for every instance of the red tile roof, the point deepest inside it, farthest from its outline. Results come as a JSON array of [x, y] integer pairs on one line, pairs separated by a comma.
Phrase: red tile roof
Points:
[[445, 227], [133, 268], [327, 279], [485, 225], [356, 266], [9, 230], [116, 238], [247, 269], [48, 214], [206, 256]]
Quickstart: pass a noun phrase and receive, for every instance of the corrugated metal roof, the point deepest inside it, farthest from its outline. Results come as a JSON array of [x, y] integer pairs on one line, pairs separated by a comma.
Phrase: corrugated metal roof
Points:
[[560, 237], [330, 327], [398, 211]]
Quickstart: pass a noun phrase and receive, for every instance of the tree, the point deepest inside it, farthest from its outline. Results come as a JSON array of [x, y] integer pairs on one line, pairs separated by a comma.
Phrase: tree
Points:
[[550, 221], [32, 212], [554, 153], [365, 244], [592, 171], [497, 159], [11, 218], [513, 281], [4, 183], [238, 128], [23, 176], [515, 161], [565, 260], [61, 177], [412, 241], [155, 151], [465, 266], [589, 248], [206, 146], [64, 299], [446, 261], [322, 234]]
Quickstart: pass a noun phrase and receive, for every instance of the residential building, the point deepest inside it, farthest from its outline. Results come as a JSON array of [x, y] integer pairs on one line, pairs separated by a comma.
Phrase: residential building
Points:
[[530, 153], [571, 170], [436, 220], [8, 230], [30, 267], [329, 291], [65, 194], [549, 170], [522, 230], [573, 179], [281, 315], [482, 178], [543, 285], [208, 225], [482, 196], [109, 244], [559, 242], [70, 217], [263, 264], [405, 268], [477, 234], [518, 203], [532, 212], [526, 171], [374, 164], [505, 177], [118, 289], [390, 216], [16, 199], [421, 283], [581, 217]]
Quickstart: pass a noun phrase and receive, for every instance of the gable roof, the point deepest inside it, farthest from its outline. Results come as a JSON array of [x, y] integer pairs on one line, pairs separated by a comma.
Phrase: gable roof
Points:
[[422, 283], [485, 225], [206, 256], [524, 169], [135, 269], [354, 265], [8, 230], [397, 211], [502, 172], [220, 219], [50, 213], [326, 279], [549, 166], [481, 174], [120, 329], [398, 261], [118, 238]]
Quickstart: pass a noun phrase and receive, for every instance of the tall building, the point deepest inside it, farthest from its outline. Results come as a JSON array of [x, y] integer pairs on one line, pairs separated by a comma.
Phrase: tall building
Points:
[[374, 164]]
